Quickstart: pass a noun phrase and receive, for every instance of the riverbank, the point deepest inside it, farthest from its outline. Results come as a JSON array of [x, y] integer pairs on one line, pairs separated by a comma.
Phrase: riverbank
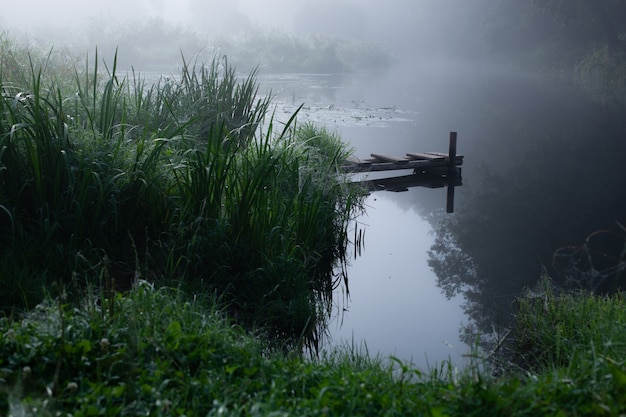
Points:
[[107, 179], [161, 352]]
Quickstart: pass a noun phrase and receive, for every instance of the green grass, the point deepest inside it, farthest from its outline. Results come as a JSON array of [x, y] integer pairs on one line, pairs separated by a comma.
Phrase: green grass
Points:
[[570, 330], [158, 352], [165, 352], [105, 179]]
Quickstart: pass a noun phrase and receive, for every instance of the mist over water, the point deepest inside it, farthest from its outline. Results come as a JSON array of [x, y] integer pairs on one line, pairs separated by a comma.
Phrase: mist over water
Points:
[[526, 196], [394, 305], [543, 155]]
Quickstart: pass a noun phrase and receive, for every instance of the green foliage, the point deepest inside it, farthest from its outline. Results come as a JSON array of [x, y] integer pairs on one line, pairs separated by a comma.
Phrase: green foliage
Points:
[[158, 352], [10, 59], [161, 352], [153, 44], [602, 73], [149, 43], [107, 179], [569, 330], [280, 213]]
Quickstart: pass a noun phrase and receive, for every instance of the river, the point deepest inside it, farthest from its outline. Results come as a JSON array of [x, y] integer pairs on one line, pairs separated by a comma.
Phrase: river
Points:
[[394, 305], [429, 285]]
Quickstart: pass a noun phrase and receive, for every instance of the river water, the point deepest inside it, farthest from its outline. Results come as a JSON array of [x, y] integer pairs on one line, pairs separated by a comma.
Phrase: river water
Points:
[[394, 305], [429, 286], [543, 193]]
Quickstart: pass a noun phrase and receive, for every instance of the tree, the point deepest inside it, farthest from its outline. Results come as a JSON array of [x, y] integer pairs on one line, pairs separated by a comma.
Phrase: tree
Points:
[[600, 22]]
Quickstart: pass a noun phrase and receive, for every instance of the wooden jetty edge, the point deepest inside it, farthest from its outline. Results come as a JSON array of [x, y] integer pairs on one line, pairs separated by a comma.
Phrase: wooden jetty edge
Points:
[[430, 169]]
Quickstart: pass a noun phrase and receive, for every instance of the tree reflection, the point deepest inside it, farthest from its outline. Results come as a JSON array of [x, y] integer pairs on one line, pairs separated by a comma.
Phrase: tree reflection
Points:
[[564, 180]]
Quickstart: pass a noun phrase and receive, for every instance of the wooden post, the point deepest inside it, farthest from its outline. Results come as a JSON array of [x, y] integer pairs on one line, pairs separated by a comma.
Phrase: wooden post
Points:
[[452, 151], [451, 173], [450, 198]]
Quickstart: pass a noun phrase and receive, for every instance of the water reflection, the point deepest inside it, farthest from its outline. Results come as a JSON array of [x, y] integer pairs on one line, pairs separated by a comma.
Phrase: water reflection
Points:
[[551, 173], [544, 168], [395, 307]]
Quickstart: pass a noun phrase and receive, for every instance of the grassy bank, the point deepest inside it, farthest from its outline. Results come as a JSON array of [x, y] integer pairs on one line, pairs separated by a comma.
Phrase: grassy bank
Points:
[[106, 179], [161, 352]]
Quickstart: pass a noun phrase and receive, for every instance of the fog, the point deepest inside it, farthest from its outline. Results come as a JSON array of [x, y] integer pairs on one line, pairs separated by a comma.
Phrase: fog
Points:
[[341, 17], [533, 88], [399, 24]]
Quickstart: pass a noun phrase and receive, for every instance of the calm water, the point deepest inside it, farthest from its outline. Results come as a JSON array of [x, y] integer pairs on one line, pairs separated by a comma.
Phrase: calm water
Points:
[[426, 278], [394, 306]]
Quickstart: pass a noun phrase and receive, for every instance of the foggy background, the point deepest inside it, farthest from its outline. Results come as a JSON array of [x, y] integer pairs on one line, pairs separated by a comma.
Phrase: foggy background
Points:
[[406, 27], [365, 19]]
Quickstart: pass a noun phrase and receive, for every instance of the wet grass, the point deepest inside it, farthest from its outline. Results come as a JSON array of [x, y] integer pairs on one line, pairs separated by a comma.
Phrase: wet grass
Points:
[[164, 352], [105, 179], [573, 331]]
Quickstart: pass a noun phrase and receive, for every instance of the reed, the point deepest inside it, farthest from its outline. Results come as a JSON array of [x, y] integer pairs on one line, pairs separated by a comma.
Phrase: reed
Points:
[[182, 180], [277, 216]]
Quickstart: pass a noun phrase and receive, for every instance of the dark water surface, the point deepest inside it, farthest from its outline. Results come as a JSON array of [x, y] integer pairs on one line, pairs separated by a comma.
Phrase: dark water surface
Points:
[[543, 170]]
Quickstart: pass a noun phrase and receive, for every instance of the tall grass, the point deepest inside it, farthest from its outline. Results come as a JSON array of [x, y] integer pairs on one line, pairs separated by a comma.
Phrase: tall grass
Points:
[[568, 330], [278, 215], [110, 179]]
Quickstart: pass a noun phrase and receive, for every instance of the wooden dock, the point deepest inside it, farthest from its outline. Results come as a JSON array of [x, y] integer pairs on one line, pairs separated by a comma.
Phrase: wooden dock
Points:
[[419, 162], [430, 169]]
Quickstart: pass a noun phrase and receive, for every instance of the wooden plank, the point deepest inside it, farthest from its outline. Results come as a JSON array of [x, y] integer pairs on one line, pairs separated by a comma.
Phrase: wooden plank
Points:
[[418, 161], [434, 156], [438, 154], [439, 165], [389, 166], [389, 158], [430, 169], [425, 155], [452, 152], [450, 198]]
